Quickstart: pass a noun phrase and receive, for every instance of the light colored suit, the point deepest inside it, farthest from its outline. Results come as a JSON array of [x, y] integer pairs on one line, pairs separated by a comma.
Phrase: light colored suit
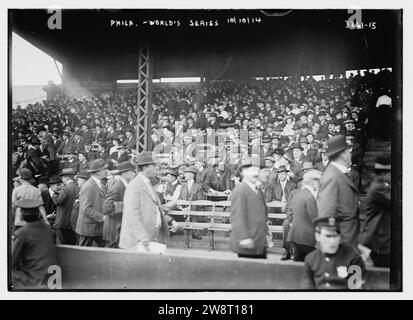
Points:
[[139, 215], [339, 197]]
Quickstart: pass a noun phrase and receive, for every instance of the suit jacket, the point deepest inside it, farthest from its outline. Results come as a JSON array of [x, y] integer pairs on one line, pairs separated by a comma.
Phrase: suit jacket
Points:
[[74, 165], [64, 204], [221, 183], [304, 210], [278, 192], [248, 219], [90, 219], [50, 146], [377, 208], [113, 221], [88, 137], [139, 216], [123, 157], [131, 142], [195, 193], [339, 197]]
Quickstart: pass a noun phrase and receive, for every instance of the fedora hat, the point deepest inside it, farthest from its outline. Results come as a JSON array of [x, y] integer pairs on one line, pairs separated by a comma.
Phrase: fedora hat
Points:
[[383, 164], [68, 172], [282, 169], [190, 169], [172, 171], [97, 165], [83, 174], [307, 165], [336, 144], [296, 146], [125, 166], [28, 203], [144, 158], [54, 180]]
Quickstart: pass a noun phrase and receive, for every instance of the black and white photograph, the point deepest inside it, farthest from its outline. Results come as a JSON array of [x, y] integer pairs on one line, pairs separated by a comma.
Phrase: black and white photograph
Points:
[[208, 150]]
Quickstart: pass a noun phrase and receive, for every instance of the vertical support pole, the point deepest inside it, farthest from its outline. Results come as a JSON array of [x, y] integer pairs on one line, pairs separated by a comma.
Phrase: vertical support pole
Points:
[[144, 110]]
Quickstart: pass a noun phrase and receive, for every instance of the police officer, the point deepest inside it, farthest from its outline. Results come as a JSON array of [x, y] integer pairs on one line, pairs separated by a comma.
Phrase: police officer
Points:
[[331, 265], [33, 251]]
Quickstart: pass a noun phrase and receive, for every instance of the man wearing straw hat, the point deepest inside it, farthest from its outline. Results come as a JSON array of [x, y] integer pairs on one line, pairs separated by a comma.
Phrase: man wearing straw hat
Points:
[[89, 224], [338, 196]]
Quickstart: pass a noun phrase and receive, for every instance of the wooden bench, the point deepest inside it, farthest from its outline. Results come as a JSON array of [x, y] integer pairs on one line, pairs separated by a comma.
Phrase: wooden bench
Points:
[[217, 214]]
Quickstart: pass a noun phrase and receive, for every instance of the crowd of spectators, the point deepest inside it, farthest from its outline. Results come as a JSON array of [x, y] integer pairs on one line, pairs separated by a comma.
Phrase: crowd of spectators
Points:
[[284, 125]]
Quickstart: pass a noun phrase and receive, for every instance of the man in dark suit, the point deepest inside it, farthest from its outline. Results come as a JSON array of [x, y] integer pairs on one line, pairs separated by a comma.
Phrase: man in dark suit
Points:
[[338, 196], [114, 203], [87, 135], [120, 155], [282, 186], [218, 179], [33, 251], [89, 224], [72, 163], [130, 141], [64, 199], [377, 208], [322, 165], [191, 190], [304, 210], [249, 216]]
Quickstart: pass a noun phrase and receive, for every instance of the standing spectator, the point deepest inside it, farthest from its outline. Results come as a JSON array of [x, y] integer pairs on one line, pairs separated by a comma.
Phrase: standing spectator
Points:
[[33, 251], [338, 196], [64, 199], [130, 141], [218, 179], [89, 224], [114, 202], [143, 220], [304, 210], [248, 216], [80, 179], [282, 186], [28, 192], [377, 208]]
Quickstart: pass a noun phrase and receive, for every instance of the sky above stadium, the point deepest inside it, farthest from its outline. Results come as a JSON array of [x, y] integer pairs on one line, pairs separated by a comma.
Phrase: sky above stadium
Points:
[[30, 65]]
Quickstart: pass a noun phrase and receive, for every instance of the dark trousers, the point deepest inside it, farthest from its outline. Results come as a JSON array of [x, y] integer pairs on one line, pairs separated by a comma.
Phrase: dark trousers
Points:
[[65, 236], [286, 230], [85, 241], [300, 251], [254, 256]]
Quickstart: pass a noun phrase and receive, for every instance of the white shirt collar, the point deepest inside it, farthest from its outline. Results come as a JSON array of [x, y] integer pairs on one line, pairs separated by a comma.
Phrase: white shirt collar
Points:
[[339, 166]]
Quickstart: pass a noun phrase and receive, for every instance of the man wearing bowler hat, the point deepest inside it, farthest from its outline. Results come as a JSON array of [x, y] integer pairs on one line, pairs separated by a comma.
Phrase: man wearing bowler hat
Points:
[[126, 171], [33, 251], [143, 220], [89, 224], [64, 199], [338, 196]]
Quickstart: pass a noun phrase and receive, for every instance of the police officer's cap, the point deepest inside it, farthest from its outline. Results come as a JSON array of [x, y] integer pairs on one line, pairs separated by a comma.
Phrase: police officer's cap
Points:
[[328, 222], [28, 203]]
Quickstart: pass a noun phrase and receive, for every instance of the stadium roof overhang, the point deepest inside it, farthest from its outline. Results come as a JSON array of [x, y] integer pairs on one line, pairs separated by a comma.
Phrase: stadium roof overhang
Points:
[[205, 43]]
